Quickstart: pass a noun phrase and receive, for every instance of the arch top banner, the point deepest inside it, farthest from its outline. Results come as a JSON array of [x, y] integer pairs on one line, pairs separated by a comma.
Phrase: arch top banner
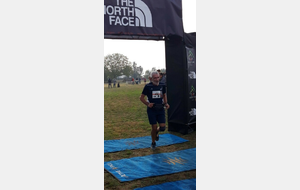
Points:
[[142, 18]]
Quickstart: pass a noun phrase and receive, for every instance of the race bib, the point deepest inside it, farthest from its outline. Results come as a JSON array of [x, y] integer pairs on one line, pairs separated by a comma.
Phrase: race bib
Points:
[[156, 94]]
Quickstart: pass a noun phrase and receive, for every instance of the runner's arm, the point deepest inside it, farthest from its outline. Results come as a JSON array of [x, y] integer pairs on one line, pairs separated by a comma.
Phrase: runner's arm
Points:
[[142, 98], [165, 101]]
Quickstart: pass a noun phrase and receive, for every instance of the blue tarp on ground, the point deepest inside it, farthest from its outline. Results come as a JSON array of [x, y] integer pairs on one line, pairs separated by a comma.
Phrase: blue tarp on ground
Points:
[[152, 165], [187, 184], [140, 142]]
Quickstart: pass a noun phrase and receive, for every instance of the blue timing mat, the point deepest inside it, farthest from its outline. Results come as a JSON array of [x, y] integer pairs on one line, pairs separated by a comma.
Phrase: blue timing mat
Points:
[[152, 165], [140, 142], [187, 184]]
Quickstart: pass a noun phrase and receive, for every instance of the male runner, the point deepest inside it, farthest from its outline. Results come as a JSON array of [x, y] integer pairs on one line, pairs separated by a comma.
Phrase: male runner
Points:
[[157, 99]]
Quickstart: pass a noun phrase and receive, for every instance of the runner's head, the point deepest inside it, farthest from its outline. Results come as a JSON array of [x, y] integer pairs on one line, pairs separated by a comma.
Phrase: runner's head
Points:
[[155, 77]]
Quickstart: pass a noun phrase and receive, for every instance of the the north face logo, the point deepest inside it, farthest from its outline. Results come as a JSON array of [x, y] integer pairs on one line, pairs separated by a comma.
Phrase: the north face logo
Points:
[[129, 13]]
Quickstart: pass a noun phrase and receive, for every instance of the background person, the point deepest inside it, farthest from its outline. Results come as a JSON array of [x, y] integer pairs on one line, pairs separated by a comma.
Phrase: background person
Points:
[[109, 83], [115, 83], [163, 79]]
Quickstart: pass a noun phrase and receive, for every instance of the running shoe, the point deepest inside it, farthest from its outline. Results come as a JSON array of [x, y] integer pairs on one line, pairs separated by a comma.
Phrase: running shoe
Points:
[[153, 145]]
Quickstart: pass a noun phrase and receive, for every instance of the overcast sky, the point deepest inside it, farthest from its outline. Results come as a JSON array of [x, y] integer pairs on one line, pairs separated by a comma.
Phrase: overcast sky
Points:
[[150, 53]]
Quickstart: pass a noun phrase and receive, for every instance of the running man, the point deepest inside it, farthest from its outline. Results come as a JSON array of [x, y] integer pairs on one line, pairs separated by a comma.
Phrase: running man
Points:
[[157, 99]]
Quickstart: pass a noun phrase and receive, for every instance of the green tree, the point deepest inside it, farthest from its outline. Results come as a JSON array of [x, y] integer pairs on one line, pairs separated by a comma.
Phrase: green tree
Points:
[[147, 73], [139, 70], [136, 70], [106, 73], [116, 65], [127, 70]]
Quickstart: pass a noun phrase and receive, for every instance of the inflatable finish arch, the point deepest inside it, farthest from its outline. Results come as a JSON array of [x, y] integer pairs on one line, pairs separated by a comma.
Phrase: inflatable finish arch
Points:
[[161, 20]]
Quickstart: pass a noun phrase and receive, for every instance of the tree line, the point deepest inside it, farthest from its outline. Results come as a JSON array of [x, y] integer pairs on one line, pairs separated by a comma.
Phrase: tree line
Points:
[[117, 64]]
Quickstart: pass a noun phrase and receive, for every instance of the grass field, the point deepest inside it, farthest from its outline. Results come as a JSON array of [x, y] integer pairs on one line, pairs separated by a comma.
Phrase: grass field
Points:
[[125, 117]]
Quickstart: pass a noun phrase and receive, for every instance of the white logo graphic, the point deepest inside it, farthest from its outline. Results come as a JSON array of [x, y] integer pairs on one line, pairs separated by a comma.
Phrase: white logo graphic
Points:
[[143, 14], [118, 171], [192, 112], [129, 13], [192, 75]]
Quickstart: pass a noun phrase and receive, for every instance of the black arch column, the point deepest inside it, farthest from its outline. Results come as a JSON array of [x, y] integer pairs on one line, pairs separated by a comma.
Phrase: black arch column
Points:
[[181, 82]]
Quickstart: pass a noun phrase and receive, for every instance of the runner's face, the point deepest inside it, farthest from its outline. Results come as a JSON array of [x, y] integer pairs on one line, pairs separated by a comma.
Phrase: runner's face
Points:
[[155, 79]]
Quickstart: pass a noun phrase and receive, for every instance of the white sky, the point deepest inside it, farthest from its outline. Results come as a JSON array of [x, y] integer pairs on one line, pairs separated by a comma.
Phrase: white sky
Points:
[[142, 51]]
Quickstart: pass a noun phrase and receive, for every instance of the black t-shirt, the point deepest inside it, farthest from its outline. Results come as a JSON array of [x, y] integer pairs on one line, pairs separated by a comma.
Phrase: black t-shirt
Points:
[[154, 93]]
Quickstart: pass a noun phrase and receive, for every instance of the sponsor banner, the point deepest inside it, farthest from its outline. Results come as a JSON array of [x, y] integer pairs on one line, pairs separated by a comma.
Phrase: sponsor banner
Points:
[[191, 56], [191, 64], [142, 18]]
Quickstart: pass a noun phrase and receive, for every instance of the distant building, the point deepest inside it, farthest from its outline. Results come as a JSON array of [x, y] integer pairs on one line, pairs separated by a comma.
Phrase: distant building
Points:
[[121, 77]]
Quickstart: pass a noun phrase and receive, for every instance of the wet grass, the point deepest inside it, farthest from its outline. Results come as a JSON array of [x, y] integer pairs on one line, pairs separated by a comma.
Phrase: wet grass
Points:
[[125, 117]]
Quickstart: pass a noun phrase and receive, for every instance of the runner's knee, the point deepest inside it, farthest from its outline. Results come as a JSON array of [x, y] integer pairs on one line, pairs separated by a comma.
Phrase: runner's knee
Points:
[[162, 127]]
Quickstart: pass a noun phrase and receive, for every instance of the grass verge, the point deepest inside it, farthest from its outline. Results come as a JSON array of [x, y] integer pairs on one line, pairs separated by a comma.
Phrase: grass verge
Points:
[[126, 117]]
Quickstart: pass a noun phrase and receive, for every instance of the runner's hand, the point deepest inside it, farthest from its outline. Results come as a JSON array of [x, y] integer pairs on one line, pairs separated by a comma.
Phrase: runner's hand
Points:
[[150, 105], [167, 106]]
